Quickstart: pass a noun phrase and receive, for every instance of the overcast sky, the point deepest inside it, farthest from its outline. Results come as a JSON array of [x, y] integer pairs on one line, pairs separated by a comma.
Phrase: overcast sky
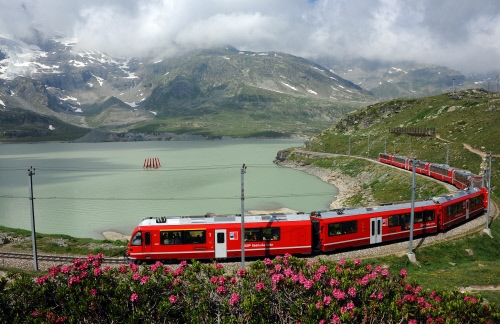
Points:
[[460, 34]]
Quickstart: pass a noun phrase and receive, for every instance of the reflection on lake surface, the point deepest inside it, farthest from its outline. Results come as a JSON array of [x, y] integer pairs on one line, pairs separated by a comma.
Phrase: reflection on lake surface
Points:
[[85, 189]]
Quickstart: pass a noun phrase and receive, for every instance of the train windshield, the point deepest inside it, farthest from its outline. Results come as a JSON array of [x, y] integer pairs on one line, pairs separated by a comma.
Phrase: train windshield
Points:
[[137, 239]]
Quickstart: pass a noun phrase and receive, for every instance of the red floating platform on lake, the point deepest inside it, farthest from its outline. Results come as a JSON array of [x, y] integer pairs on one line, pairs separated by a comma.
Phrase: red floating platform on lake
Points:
[[151, 163]]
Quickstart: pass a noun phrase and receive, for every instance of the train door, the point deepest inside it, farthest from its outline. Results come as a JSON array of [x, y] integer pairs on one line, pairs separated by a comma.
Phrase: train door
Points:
[[467, 209], [147, 243], [220, 243], [375, 230]]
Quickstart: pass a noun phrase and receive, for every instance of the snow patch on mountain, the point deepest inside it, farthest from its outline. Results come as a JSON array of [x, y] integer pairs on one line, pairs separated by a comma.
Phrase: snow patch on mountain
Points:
[[21, 59]]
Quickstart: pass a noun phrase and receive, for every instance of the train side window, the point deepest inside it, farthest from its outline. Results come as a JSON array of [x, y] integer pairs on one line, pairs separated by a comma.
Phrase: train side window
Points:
[[137, 239], [147, 238], [195, 237], [405, 221], [342, 228], [220, 238], [428, 215], [475, 201], [252, 235], [419, 217], [270, 234], [393, 220]]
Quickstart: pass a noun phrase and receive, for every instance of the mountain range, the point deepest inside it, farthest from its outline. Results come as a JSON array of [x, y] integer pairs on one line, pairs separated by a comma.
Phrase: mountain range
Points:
[[49, 90]]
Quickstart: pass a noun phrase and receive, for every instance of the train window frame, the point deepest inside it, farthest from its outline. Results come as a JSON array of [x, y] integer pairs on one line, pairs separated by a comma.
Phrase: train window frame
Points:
[[136, 239], [176, 237], [475, 201], [342, 228], [262, 234], [454, 209]]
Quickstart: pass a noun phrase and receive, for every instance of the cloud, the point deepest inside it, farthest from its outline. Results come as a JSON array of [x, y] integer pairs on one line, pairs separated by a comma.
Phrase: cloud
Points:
[[460, 34]]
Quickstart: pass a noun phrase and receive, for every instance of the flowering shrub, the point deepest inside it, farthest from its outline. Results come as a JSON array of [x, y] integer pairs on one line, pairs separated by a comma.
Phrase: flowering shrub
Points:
[[283, 290]]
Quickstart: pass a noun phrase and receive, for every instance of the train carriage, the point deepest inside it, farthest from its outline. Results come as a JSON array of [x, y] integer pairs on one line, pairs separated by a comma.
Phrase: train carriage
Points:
[[421, 167], [370, 225], [385, 158], [464, 179], [442, 172], [461, 206], [216, 237], [400, 161]]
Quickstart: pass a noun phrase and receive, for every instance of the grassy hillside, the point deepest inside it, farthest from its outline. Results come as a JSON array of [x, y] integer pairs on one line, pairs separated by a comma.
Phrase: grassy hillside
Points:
[[469, 117]]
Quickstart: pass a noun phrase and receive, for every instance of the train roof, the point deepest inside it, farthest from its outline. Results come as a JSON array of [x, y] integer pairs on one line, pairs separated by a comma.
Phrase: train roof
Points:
[[442, 166], [355, 211], [452, 196], [226, 219]]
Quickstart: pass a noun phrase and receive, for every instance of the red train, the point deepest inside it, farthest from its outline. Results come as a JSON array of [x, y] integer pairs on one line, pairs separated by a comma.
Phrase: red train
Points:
[[219, 237], [461, 179]]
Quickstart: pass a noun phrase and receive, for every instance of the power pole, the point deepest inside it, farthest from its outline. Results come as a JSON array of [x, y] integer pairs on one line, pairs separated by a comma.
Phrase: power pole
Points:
[[447, 152], [31, 173], [243, 171], [489, 201], [411, 255]]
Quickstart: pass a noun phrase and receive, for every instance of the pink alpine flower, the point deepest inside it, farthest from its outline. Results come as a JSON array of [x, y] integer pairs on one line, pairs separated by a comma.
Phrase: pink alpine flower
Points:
[[235, 298], [327, 300], [90, 258], [357, 261], [41, 280], [221, 290], [352, 292], [173, 299], [97, 272], [144, 280], [136, 276], [122, 268], [183, 263], [385, 273], [403, 273], [93, 292], [134, 297], [334, 282], [73, 280], [341, 261], [65, 269], [259, 286], [219, 266], [308, 284], [268, 262], [241, 273], [335, 319], [338, 294]]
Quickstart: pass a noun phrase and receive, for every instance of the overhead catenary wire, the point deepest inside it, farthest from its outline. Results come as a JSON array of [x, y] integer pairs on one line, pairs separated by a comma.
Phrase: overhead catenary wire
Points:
[[171, 198], [120, 169]]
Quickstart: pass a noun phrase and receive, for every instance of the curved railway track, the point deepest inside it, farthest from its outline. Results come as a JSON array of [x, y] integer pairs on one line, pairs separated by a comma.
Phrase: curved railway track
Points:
[[55, 258]]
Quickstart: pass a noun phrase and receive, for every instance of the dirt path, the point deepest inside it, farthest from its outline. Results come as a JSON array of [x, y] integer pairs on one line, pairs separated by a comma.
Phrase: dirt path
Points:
[[478, 152]]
